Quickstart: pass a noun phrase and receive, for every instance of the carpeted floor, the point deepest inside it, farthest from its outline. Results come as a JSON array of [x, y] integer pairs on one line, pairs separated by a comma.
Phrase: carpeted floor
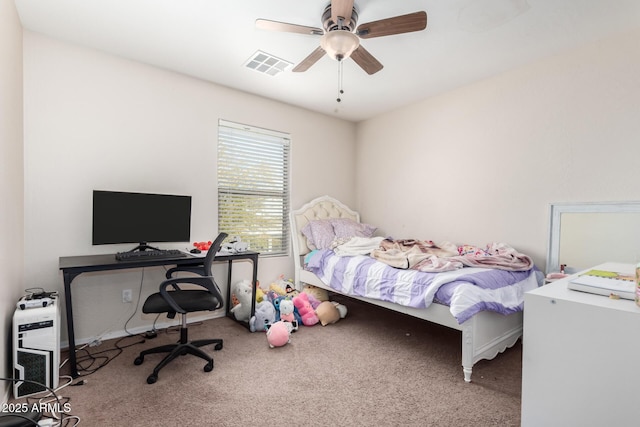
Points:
[[373, 368]]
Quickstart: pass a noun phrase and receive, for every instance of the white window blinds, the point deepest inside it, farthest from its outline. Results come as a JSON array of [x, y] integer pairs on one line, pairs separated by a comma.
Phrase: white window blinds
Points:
[[253, 186]]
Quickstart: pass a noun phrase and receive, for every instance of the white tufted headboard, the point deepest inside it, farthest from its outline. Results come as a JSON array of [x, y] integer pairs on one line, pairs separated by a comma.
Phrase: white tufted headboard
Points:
[[321, 208]]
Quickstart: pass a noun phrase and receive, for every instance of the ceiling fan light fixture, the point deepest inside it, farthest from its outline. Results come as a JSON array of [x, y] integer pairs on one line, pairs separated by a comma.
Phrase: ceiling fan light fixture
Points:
[[339, 44]]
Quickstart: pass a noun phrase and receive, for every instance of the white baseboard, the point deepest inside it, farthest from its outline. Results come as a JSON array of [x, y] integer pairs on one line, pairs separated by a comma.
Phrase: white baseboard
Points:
[[142, 329]]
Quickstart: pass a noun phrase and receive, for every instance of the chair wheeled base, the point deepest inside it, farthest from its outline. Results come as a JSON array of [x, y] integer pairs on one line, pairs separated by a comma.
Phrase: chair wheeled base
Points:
[[180, 348]]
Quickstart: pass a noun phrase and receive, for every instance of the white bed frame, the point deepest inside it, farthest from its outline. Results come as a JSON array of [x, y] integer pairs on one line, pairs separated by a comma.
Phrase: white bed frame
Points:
[[483, 336]]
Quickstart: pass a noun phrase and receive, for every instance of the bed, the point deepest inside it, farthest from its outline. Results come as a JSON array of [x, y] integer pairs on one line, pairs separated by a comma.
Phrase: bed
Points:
[[485, 333]]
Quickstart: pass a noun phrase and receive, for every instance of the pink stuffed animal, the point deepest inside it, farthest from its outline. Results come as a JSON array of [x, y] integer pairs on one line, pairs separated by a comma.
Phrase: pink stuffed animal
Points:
[[279, 333], [305, 309]]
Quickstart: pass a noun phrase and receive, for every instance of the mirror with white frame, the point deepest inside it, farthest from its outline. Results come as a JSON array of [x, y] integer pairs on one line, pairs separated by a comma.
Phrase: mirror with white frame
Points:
[[582, 235]]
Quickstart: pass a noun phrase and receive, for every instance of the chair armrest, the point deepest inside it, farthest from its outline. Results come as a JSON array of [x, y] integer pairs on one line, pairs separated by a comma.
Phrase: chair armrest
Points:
[[196, 269], [206, 282]]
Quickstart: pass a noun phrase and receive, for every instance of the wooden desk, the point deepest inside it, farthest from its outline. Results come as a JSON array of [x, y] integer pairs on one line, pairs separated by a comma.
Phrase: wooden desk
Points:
[[73, 266]]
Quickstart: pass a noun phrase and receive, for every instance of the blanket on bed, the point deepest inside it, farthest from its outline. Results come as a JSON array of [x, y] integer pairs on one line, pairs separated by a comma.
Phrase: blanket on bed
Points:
[[425, 255], [411, 253], [466, 291]]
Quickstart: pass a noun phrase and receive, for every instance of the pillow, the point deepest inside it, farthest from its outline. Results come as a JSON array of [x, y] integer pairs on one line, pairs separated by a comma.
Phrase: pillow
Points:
[[319, 234], [346, 227]]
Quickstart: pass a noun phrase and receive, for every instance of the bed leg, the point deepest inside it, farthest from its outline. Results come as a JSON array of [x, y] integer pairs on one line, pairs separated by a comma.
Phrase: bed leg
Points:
[[467, 374], [468, 329]]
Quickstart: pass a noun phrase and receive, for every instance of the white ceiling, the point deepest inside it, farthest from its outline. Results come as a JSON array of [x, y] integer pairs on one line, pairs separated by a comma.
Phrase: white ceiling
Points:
[[465, 41]]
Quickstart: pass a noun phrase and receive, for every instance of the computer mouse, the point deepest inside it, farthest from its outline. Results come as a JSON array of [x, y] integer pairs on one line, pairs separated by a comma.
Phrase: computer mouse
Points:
[[195, 251]]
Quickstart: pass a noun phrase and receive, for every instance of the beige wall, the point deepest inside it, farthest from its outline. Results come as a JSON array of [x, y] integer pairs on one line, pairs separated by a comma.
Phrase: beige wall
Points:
[[95, 121], [483, 163], [11, 178]]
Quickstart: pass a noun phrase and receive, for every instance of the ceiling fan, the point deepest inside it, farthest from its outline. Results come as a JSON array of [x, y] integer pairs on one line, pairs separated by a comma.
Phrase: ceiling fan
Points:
[[340, 38]]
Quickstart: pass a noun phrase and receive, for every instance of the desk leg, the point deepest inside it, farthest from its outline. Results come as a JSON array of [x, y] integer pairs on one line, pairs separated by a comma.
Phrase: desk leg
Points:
[[68, 278], [229, 270], [254, 286]]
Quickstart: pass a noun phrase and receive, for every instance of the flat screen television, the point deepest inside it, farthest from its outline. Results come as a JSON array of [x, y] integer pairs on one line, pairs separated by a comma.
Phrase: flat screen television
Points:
[[122, 217]]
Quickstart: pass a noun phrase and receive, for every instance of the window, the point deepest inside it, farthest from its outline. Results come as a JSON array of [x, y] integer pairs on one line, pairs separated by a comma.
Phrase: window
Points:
[[253, 186]]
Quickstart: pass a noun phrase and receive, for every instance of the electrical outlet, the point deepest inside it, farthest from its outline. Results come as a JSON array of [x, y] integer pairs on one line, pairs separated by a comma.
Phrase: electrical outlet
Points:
[[127, 295]]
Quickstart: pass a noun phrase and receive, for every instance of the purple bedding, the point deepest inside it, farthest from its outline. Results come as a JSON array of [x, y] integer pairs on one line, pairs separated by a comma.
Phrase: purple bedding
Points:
[[466, 291]]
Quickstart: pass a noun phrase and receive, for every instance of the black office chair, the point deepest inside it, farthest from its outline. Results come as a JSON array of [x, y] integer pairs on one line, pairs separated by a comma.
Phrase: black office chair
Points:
[[185, 301]]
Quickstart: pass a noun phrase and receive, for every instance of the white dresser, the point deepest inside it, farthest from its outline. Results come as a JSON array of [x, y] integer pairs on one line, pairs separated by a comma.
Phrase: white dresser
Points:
[[581, 357]]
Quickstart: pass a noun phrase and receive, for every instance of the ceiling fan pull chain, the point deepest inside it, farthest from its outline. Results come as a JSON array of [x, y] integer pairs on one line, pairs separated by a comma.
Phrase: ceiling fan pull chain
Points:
[[340, 91]]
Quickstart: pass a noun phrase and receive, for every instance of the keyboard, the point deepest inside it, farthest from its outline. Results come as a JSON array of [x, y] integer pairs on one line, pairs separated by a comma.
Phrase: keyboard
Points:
[[153, 254]]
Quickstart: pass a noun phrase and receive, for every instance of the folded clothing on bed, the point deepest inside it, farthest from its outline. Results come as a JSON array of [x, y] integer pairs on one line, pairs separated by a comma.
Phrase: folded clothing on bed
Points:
[[466, 290]]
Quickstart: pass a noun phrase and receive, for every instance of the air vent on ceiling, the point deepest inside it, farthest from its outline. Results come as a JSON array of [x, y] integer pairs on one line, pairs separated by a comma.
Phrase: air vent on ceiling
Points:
[[265, 63]]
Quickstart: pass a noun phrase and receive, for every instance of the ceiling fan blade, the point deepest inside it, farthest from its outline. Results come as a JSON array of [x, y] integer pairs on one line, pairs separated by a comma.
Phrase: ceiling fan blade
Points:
[[265, 24], [416, 21], [366, 61], [309, 60], [341, 8]]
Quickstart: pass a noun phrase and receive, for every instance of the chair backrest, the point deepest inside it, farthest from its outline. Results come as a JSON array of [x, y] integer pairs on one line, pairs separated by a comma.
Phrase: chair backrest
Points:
[[211, 253]]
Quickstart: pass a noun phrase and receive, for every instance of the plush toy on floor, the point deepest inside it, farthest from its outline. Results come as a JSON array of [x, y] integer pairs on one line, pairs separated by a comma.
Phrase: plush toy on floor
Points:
[[259, 293], [265, 315], [305, 309], [286, 310], [319, 293], [243, 292], [330, 312], [279, 333], [279, 286]]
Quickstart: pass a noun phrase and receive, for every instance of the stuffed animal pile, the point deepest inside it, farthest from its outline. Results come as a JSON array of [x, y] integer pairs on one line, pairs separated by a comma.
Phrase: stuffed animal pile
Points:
[[282, 309]]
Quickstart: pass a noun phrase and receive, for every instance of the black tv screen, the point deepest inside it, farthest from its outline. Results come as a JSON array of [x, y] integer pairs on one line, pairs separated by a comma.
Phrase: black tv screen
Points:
[[121, 217]]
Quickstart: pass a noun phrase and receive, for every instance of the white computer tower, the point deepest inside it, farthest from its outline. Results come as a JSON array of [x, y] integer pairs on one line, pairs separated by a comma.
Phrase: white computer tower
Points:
[[36, 348]]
